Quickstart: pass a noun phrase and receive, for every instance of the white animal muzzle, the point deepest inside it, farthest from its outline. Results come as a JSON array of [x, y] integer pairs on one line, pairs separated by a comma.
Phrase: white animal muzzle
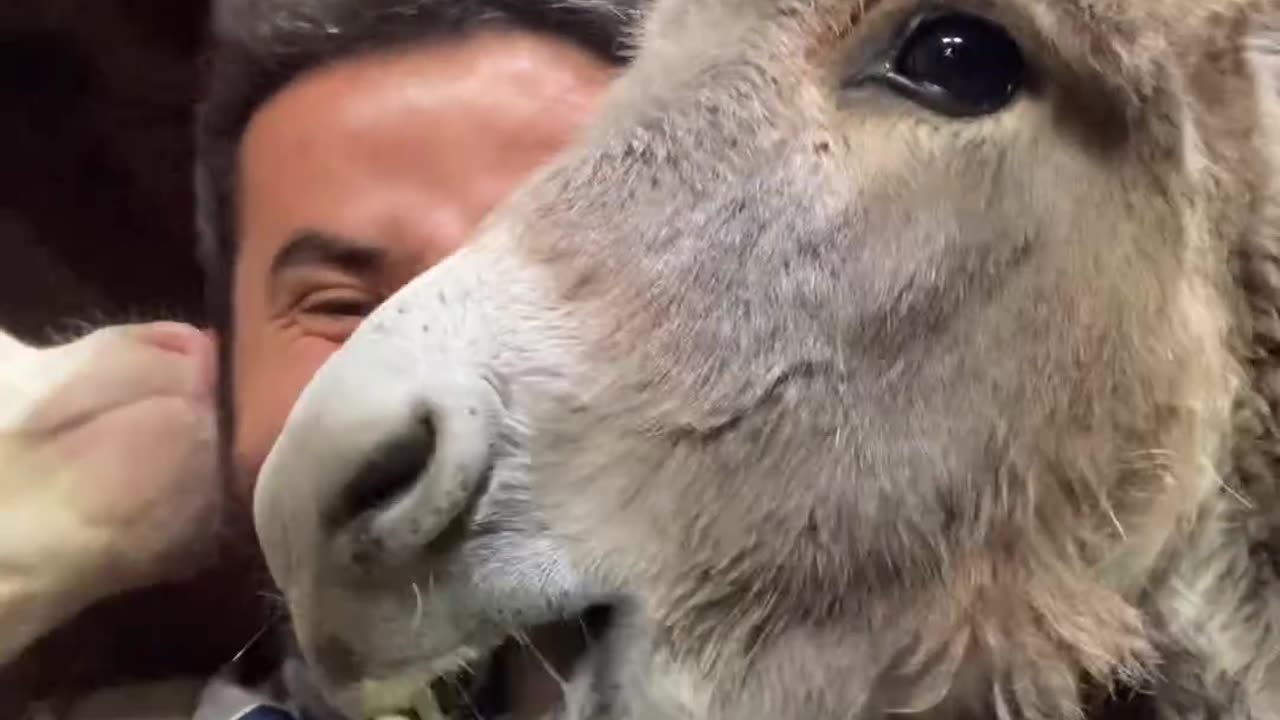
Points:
[[367, 504]]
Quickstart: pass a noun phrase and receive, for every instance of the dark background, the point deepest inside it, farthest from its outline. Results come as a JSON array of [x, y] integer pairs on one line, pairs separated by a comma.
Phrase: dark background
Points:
[[96, 101], [95, 171]]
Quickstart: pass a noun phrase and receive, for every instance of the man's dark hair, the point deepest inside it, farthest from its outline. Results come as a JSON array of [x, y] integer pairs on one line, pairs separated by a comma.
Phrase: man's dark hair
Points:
[[259, 46]]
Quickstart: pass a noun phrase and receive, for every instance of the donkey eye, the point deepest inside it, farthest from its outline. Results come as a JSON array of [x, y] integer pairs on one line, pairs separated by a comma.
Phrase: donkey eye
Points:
[[958, 65]]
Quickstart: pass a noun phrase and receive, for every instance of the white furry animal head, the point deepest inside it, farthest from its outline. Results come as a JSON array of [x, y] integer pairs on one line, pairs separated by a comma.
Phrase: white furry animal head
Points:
[[867, 356], [107, 470]]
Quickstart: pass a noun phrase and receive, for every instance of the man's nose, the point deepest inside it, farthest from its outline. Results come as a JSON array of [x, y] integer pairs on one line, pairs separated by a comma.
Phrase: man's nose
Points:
[[377, 462]]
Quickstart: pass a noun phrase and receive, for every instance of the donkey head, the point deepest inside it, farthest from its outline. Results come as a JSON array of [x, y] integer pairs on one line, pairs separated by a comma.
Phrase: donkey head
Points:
[[865, 356]]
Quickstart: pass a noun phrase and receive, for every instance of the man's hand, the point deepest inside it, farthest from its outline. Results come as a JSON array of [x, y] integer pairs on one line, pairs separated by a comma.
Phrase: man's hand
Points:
[[107, 470]]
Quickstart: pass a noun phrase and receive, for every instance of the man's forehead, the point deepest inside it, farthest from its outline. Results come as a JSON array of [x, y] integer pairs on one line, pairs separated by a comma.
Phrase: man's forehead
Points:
[[374, 88], [402, 147]]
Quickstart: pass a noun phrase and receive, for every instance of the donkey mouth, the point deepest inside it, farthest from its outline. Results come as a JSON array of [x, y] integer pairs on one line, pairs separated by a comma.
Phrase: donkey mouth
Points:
[[524, 678]]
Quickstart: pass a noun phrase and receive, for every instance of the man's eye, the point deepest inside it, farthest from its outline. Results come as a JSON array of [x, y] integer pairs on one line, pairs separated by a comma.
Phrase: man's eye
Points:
[[958, 65], [341, 306]]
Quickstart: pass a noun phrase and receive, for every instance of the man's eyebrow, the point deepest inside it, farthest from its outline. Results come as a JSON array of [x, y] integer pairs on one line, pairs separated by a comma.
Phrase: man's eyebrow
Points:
[[316, 247]]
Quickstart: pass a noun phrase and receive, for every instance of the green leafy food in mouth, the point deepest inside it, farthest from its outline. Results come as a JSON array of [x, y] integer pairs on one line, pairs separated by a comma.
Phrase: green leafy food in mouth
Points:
[[477, 685], [400, 699]]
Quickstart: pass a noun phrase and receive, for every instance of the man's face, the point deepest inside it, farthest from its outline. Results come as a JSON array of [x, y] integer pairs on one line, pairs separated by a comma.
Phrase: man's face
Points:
[[358, 176]]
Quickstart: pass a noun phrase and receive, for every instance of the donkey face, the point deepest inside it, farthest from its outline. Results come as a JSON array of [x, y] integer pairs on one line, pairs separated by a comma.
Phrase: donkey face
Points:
[[865, 356]]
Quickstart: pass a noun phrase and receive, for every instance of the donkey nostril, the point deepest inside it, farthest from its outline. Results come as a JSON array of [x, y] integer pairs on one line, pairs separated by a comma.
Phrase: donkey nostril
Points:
[[388, 473]]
